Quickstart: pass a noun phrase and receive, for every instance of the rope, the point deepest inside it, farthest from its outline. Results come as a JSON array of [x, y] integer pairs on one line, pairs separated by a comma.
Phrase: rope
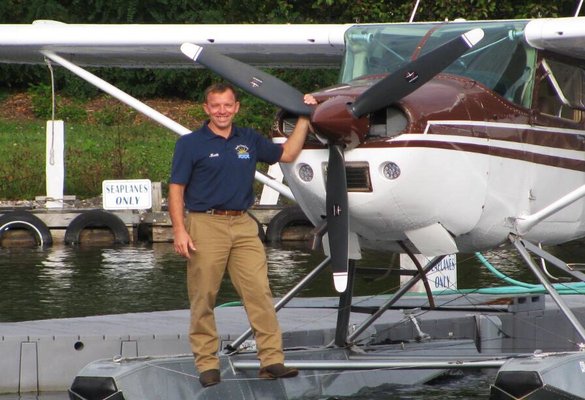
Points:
[[53, 107]]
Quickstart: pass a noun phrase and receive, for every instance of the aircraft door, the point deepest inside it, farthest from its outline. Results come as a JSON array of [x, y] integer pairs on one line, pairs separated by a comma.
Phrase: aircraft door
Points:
[[559, 112]]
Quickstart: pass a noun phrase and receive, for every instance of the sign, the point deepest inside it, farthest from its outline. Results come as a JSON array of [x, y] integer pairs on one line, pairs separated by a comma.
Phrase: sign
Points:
[[443, 276], [131, 194]]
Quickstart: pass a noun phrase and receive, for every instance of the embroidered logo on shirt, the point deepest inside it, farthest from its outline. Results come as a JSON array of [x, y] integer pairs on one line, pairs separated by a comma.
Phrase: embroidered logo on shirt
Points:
[[213, 155], [243, 151]]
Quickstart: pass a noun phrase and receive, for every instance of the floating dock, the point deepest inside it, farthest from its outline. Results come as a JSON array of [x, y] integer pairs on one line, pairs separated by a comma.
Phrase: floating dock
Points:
[[45, 356]]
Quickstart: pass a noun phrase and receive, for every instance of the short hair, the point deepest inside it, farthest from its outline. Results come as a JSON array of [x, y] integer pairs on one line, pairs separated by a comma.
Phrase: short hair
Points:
[[220, 87]]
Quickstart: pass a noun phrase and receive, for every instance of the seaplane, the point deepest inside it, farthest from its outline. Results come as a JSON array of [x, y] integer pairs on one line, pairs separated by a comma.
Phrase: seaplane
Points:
[[440, 138]]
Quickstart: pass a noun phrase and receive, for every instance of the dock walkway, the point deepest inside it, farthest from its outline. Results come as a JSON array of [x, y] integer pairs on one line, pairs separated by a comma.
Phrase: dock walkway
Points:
[[45, 356]]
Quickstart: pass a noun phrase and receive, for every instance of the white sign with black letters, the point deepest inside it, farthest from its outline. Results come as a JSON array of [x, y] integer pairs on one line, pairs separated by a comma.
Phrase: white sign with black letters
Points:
[[442, 276], [130, 194]]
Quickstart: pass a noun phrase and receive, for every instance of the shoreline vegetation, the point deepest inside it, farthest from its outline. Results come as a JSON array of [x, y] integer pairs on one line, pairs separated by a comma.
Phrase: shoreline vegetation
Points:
[[104, 139]]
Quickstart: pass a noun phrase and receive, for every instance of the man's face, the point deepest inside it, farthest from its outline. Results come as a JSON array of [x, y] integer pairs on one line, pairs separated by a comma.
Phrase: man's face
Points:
[[221, 109]]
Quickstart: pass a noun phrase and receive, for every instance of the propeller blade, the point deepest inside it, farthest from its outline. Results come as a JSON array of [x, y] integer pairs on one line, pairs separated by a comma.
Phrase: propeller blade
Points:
[[337, 216], [250, 79], [414, 74]]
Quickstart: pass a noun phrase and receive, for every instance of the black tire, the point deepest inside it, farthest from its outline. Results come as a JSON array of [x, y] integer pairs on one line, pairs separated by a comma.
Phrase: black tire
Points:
[[289, 216], [28, 221], [97, 219]]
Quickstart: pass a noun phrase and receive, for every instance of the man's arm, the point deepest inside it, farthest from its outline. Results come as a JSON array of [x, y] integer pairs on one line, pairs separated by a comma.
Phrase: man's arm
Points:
[[294, 144], [182, 241]]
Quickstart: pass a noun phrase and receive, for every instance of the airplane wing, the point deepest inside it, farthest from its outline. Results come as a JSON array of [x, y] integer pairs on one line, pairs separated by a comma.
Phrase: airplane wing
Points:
[[270, 45], [158, 46], [558, 35]]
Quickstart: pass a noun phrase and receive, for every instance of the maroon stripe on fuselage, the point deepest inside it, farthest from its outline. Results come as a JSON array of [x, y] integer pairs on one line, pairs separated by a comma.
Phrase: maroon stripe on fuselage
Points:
[[545, 138], [543, 159]]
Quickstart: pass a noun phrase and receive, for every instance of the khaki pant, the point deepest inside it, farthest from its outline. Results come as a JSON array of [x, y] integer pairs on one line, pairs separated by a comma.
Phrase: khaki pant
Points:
[[232, 243]]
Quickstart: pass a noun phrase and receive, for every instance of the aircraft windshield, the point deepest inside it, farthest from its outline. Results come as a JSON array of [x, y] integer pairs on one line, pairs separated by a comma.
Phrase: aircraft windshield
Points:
[[502, 61]]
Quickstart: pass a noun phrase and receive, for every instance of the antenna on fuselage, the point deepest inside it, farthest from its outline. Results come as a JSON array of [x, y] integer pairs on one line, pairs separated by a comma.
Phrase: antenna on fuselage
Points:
[[416, 8]]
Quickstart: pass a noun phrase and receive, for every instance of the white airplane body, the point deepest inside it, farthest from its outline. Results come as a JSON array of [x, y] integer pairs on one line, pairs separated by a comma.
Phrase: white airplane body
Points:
[[465, 183], [472, 196]]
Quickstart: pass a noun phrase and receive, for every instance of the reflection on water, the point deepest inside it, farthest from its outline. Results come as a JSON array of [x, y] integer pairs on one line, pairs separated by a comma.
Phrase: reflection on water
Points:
[[61, 281], [64, 281]]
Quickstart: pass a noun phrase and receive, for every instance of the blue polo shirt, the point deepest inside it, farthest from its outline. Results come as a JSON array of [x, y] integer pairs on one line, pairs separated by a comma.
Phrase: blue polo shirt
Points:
[[217, 172]]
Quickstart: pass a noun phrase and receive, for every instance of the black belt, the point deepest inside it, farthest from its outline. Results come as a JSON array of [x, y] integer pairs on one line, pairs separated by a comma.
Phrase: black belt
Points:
[[231, 213]]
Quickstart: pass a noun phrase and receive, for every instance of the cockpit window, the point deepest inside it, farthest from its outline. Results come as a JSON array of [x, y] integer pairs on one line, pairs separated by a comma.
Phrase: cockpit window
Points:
[[502, 60], [561, 90]]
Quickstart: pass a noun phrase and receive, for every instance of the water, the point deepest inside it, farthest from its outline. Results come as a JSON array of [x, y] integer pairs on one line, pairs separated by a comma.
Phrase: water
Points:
[[63, 282]]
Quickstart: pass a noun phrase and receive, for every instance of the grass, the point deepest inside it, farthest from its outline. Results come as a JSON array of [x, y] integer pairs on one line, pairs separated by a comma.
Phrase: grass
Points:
[[93, 153], [102, 142], [105, 139]]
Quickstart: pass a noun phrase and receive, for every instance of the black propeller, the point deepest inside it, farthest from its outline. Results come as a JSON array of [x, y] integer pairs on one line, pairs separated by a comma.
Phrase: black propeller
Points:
[[389, 90], [414, 74], [250, 79], [336, 203]]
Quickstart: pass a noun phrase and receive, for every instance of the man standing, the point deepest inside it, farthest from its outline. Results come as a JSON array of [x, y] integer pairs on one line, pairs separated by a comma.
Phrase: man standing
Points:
[[212, 177]]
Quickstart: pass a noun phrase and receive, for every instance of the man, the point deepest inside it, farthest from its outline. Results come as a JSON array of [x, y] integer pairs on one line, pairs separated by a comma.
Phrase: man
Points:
[[212, 177]]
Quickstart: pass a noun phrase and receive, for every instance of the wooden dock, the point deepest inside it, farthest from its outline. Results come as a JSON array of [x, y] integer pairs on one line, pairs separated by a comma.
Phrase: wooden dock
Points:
[[142, 226]]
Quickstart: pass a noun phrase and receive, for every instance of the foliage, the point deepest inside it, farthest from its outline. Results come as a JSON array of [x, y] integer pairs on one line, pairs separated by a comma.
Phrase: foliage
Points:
[[94, 154], [41, 100], [114, 115], [255, 113], [23, 160], [491, 9], [71, 110]]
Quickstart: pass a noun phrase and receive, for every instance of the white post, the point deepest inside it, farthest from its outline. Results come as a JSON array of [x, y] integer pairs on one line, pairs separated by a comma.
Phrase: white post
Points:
[[55, 165], [442, 277], [270, 196]]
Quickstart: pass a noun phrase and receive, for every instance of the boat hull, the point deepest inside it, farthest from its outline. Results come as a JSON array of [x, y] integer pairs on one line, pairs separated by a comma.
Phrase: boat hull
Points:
[[555, 376]]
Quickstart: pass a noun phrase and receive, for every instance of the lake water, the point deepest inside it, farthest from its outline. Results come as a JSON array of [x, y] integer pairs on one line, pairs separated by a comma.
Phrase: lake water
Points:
[[63, 281]]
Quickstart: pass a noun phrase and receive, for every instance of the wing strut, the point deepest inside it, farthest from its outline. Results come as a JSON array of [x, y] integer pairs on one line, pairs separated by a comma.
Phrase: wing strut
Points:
[[403, 289], [525, 223], [421, 273], [150, 112], [233, 346], [118, 94], [523, 247]]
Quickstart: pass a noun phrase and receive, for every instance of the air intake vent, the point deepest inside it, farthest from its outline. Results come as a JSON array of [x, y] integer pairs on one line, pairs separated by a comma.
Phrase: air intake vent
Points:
[[358, 176]]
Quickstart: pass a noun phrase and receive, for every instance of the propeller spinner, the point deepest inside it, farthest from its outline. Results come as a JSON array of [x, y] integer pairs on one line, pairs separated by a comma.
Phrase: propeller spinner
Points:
[[340, 120]]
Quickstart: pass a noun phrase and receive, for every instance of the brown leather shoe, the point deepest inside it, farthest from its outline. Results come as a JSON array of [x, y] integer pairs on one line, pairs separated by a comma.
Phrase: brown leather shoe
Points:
[[209, 377], [275, 371]]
